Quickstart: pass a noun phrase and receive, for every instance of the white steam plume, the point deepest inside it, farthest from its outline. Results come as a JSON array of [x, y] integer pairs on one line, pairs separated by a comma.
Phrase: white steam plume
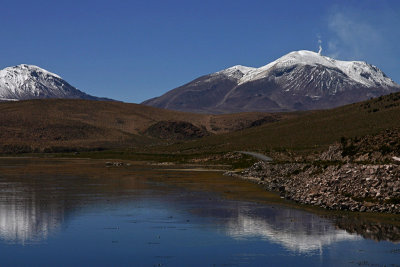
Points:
[[320, 46]]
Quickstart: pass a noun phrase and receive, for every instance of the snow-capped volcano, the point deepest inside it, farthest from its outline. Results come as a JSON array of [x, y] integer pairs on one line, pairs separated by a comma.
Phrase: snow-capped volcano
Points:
[[358, 71], [297, 81], [29, 82]]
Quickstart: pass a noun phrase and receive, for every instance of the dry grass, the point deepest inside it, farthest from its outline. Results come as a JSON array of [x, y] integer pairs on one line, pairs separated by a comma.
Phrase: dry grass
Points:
[[67, 125], [308, 132], [60, 124]]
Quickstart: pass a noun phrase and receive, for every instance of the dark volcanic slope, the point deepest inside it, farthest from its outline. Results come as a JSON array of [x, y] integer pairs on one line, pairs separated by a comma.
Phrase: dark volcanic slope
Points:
[[301, 80], [201, 95]]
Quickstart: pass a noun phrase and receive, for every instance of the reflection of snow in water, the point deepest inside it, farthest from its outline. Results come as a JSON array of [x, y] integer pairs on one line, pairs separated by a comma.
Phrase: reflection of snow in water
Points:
[[295, 230], [28, 215], [23, 219]]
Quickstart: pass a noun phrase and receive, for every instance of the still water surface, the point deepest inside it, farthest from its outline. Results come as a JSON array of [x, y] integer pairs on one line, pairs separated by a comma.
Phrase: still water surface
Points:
[[80, 213]]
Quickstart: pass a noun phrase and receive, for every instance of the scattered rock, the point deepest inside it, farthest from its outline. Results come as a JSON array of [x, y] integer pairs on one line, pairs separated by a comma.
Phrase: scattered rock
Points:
[[332, 185], [176, 130], [396, 158], [116, 164]]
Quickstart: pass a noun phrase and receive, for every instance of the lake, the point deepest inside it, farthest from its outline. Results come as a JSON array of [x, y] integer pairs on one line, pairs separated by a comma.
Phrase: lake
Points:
[[60, 212]]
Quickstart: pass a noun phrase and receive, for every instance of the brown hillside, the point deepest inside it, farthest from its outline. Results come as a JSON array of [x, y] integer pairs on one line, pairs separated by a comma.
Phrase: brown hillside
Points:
[[61, 124], [307, 132]]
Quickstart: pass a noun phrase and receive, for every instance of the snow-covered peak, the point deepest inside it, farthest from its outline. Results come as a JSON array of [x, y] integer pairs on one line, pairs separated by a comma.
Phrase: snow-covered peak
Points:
[[24, 69], [30, 82], [24, 80], [304, 57], [358, 71]]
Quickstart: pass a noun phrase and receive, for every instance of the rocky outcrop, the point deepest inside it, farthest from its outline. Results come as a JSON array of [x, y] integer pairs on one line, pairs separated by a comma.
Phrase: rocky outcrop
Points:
[[176, 130], [356, 174], [350, 186], [381, 147]]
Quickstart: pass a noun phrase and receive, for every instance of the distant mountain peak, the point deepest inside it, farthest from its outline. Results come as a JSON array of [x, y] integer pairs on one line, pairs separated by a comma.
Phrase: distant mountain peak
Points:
[[30, 82], [296, 81]]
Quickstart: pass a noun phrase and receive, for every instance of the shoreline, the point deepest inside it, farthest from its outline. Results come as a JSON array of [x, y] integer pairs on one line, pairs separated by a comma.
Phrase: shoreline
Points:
[[345, 187], [303, 189]]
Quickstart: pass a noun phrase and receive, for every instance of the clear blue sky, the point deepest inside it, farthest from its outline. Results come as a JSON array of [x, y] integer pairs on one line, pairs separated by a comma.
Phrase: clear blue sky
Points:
[[135, 50]]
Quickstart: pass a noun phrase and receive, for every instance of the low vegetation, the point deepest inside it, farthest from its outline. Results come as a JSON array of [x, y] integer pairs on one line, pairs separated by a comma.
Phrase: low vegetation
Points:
[[310, 132], [114, 129], [61, 125]]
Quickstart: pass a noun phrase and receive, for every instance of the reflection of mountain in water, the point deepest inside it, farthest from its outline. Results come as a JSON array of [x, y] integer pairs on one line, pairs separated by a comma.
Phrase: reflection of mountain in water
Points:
[[26, 219], [35, 204], [295, 230]]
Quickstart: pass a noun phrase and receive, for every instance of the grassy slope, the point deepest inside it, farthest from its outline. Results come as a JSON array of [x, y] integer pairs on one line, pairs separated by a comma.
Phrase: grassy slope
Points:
[[120, 126], [90, 124], [312, 131]]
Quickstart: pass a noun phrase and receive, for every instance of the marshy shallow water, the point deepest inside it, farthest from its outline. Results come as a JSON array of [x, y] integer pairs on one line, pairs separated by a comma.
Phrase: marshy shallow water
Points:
[[78, 212]]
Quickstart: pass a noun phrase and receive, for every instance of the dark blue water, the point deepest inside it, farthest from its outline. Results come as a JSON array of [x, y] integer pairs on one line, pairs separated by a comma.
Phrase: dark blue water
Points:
[[130, 220]]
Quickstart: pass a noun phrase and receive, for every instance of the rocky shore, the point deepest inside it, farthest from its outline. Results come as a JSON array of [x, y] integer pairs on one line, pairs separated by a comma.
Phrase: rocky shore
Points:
[[331, 183]]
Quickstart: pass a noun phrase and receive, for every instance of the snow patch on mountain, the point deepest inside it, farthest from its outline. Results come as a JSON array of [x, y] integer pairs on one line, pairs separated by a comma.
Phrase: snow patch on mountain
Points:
[[231, 70], [235, 72]]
